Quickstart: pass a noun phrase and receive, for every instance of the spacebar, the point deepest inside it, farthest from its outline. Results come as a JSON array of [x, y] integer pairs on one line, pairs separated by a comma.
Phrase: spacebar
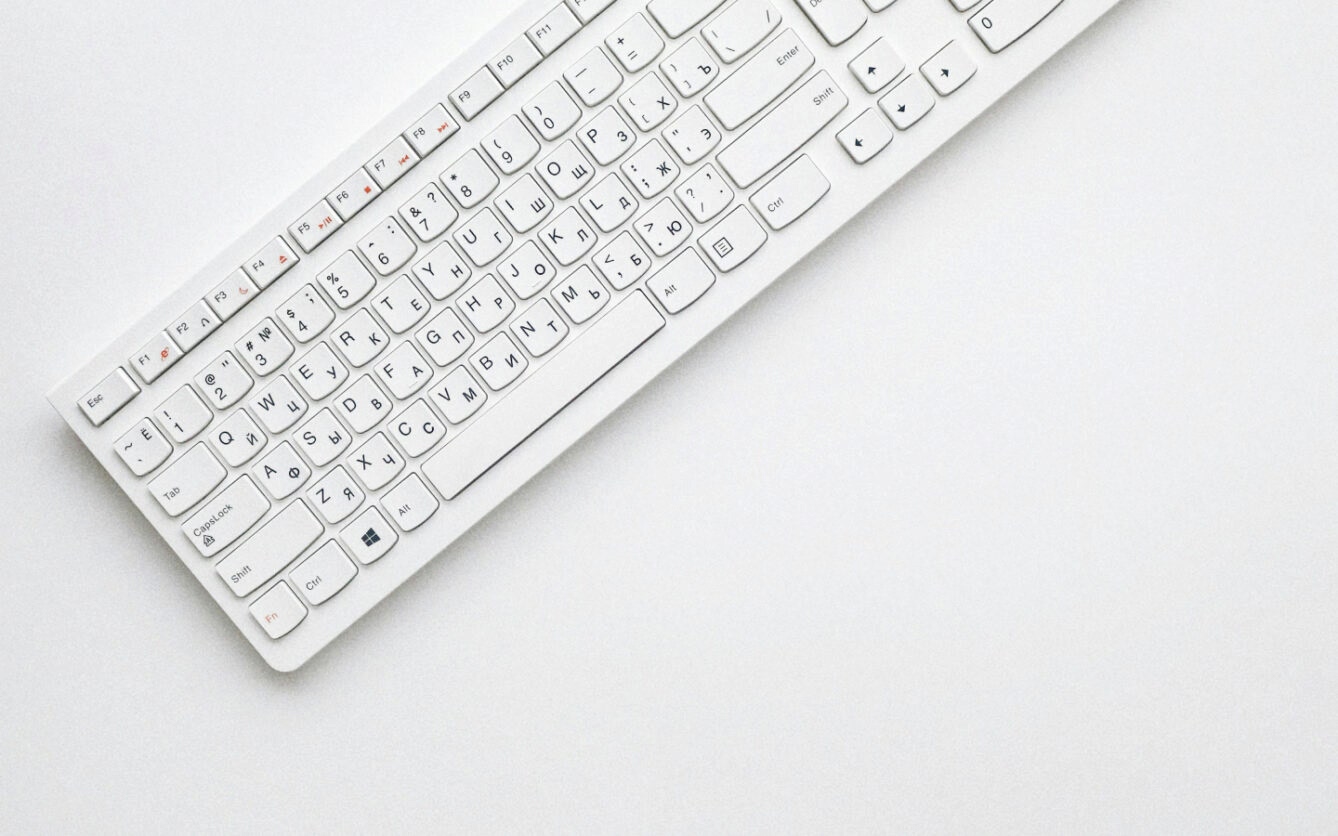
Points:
[[556, 384]]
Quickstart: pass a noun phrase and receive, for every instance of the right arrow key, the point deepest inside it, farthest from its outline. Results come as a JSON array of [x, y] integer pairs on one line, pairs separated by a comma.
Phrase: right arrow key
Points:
[[949, 69]]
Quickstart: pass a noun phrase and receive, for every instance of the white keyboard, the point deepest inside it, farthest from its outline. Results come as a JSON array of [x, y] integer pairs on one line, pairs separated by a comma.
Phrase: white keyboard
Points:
[[505, 259]]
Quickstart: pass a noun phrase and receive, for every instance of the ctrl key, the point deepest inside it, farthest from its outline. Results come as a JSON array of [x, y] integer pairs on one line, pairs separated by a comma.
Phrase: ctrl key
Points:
[[278, 611]]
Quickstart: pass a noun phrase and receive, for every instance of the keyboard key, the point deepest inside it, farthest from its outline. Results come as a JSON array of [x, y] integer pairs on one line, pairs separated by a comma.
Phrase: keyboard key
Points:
[[483, 238], [346, 281], [678, 16], [387, 247], [362, 405], [375, 463], [360, 339], [223, 381], [271, 548], [458, 395], [322, 575], [663, 228], [485, 304], [648, 103], [410, 503], [908, 102], [445, 339], [187, 480], [877, 66], [569, 373], [609, 203], [442, 271], [705, 194], [194, 325], [237, 439], [539, 329], [865, 137], [734, 240], [281, 472], [394, 160], [264, 348], [279, 406], [740, 27], [690, 68], [231, 294], [106, 399], [369, 537], [553, 30], [783, 131], [1002, 22], [431, 130], [568, 237], [353, 194], [510, 145], [417, 429], [499, 362], [322, 438], [634, 44], [692, 136], [651, 170], [580, 295], [622, 262], [791, 193], [319, 372], [143, 448], [335, 496], [552, 112], [404, 371], [593, 77], [266, 266], [607, 137], [515, 61], [183, 415], [401, 306], [428, 213], [278, 611], [226, 517], [566, 170], [681, 282], [319, 222], [305, 315], [469, 180], [586, 10], [479, 90], [949, 69], [760, 81], [526, 271], [524, 204], [155, 357], [836, 20]]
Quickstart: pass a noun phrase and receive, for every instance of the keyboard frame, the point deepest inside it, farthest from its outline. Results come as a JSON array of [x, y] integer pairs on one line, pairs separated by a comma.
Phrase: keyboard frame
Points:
[[917, 28]]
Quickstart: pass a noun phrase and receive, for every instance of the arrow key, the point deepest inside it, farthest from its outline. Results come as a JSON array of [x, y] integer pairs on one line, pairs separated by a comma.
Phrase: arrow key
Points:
[[908, 102], [877, 66], [949, 69], [866, 136]]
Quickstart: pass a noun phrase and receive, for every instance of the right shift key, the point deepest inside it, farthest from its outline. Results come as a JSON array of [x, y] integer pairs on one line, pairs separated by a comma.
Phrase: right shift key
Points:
[[1004, 21], [784, 130]]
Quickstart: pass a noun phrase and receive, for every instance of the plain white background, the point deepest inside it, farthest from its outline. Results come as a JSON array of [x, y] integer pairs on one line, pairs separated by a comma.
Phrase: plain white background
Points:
[[1014, 507]]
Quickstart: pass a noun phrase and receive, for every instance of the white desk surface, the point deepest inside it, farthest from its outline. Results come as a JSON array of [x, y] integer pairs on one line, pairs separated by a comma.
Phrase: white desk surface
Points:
[[1013, 507]]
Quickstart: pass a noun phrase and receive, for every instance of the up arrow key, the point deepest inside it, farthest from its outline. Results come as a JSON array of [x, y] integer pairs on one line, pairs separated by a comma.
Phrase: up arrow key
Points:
[[948, 69], [877, 66]]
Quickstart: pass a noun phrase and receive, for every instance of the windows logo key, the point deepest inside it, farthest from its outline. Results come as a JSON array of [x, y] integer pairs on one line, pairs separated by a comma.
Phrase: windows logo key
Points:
[[371, 538]]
